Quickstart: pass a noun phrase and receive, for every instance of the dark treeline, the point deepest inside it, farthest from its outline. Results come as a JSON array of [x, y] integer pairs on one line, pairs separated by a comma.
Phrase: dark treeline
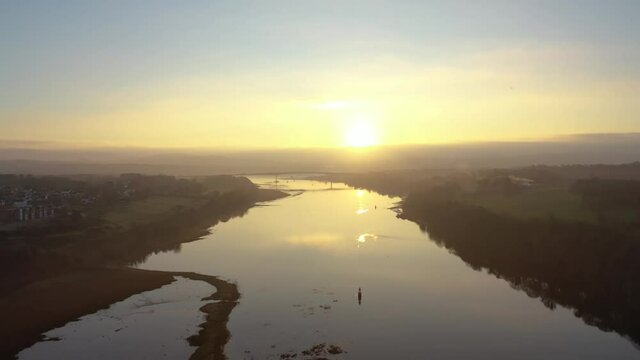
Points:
[[40, 182], [612, 200], [567, 174], [592, 269], [589, 267], [401, 183]]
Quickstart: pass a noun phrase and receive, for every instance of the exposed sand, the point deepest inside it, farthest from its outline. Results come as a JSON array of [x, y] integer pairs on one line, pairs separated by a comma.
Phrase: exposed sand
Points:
[[42, 306]]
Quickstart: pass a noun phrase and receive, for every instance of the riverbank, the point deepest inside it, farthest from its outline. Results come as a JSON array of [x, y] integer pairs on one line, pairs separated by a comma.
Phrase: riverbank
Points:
[[51, 303], [570, 243], [52, 277], [124, 232]]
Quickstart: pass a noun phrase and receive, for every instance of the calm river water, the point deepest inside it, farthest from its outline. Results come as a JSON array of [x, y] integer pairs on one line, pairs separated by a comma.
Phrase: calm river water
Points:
[[300, 261]]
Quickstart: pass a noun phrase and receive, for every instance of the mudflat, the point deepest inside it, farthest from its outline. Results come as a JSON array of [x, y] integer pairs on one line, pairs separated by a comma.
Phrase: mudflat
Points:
[[38, 307]]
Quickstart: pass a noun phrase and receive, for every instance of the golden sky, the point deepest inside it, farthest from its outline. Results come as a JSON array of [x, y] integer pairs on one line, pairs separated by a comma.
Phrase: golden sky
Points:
[[244, 74]]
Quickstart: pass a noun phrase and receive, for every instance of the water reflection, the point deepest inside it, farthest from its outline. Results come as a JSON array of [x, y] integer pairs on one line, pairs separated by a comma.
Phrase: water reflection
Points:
[[363, 238], [326, 240], [297, 270], [151, 325], [362, 206], [590, 269]]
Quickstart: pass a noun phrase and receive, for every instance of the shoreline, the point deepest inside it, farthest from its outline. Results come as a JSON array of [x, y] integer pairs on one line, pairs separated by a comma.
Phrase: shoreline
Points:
[[87, 275], [52, 299], [52, 303], [214, 334]]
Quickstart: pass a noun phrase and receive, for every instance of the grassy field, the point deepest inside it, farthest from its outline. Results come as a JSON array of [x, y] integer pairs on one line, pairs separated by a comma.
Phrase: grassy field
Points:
[[142, 211], [535, 203]]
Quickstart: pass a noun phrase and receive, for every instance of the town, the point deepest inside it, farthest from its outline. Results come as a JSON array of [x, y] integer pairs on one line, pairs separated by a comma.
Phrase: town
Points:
[[26, 200]]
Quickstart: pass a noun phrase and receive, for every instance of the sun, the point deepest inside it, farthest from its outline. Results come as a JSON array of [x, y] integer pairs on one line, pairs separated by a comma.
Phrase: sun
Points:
[[360, 134]]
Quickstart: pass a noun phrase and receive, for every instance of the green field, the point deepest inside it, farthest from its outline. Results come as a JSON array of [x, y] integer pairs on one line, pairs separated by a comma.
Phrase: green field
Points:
[[535, 203], [147, 210]]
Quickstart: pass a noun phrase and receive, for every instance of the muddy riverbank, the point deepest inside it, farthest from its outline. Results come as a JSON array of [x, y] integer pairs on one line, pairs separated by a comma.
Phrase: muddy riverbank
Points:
[[51, 303]]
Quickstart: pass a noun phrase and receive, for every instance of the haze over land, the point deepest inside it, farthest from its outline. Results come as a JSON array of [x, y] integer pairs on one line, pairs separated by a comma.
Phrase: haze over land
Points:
[[52, 158]]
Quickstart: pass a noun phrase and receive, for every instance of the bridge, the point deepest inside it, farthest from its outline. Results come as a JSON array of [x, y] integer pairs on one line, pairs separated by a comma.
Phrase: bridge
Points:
[[280, 174]]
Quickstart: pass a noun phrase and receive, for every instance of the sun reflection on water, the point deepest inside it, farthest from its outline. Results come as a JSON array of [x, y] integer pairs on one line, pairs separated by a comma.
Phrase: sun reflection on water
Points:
[[363, 238]]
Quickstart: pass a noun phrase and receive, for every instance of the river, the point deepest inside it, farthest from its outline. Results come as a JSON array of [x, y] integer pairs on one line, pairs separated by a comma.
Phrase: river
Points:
[[300, 262]]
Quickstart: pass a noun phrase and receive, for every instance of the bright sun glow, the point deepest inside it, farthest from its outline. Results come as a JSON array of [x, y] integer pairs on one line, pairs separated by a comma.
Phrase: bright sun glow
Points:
[[360, 134]]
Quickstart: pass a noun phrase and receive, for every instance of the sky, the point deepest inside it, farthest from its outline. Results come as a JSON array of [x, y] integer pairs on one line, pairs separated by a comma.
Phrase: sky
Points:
[[278, 74]]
